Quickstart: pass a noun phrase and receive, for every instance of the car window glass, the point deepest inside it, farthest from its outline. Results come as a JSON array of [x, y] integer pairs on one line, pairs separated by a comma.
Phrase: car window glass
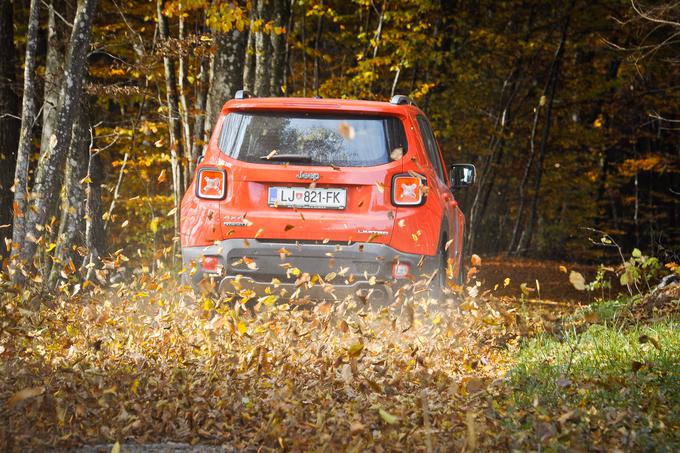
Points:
[[431, 146], [342, 140]]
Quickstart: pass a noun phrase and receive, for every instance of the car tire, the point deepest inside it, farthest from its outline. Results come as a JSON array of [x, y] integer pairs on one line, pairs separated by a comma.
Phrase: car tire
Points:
[[461, 274], [438, 285]]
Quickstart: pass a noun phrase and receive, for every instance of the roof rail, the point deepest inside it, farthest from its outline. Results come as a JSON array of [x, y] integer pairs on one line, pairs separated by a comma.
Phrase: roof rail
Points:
[[400, 99], [243, 94]]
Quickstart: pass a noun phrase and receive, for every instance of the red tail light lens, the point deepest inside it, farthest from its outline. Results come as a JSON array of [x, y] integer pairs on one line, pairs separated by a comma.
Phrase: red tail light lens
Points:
[[407, 190], [210, 263], [211, 183]]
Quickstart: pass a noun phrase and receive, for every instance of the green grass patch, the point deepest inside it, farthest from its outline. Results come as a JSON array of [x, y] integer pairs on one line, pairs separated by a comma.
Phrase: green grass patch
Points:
[[606, 310], [616, 383]]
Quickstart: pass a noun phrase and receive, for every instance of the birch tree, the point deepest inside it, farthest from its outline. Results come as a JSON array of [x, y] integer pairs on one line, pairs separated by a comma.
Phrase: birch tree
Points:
[[72, 219], [174, 126], [25, 136], [50, 171]]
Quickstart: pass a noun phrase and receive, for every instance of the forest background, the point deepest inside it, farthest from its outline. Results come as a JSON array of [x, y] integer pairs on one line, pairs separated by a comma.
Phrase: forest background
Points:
[[569, 109]]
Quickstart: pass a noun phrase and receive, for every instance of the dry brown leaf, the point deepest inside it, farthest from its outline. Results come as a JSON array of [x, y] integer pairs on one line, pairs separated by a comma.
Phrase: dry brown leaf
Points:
[[25, 394]]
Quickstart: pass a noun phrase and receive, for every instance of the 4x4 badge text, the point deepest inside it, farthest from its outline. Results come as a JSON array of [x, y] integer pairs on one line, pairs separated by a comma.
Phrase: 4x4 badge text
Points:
[[310, 176]]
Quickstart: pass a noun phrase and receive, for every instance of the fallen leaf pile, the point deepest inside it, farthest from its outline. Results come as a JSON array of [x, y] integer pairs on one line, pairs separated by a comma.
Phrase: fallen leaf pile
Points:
[[148, 362]]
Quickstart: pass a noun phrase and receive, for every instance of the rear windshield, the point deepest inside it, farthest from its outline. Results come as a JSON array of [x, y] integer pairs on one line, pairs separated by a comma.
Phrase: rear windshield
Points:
[[312, 139]]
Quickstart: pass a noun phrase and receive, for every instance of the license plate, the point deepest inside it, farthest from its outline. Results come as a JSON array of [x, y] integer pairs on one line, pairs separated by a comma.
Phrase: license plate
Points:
[[304, 197]]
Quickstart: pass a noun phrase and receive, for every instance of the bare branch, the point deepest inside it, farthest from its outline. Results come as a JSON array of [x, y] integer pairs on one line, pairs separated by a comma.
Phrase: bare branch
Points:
[[650, 18]]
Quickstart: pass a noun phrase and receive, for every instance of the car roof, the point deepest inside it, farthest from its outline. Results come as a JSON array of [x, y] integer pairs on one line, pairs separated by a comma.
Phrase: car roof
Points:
[[322, 105]]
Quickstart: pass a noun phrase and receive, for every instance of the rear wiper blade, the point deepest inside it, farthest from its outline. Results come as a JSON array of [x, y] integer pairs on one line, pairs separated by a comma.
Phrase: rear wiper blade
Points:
[[289, 158]]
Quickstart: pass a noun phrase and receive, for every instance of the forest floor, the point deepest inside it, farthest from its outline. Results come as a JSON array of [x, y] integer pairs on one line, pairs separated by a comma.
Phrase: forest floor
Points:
[[144, 367]]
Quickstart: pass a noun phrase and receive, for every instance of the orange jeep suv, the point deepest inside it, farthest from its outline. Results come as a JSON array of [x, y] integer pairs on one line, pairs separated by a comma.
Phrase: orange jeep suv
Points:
[[323, 198]]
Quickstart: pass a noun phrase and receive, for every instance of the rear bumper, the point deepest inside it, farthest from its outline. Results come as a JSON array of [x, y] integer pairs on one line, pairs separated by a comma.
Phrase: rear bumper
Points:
[[358, 268]]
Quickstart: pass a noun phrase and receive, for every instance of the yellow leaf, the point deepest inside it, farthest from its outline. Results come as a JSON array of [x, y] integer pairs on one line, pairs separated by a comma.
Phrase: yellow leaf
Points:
[[116, 447], [563, 269], [599, 122], [355, 349], [387, 417], [135, 386], [153, 225], [506, 282], [242, 328]]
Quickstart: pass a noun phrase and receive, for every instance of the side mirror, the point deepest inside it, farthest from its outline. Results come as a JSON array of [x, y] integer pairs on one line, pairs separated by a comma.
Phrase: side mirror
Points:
[[462, 175]]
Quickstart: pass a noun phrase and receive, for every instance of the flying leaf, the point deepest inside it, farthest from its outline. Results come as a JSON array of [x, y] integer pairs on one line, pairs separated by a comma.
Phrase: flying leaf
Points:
[[163, 175], [346, 130], [397, 153], [25, 394], [577, 280], [288, 227]]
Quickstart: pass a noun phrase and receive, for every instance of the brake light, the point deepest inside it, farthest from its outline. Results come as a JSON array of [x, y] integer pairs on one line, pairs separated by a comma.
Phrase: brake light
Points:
[[400, 270], [407, 190], [211, 183]]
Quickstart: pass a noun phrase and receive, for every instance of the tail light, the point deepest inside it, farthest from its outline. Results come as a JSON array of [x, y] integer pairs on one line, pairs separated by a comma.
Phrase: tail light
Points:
[[408, 190], [210, 263], [211, 183]]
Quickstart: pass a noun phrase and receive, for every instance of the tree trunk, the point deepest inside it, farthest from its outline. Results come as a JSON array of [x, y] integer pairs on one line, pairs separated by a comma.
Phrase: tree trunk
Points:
[[94, 226], [263, 51], [200, 130], [287, 67], [515, 239], [184, 103], [50, 173], [249, 65], [317, 52], [173, 116], [25, 136], [57, 40], [72, 221], [226, 72], [281, 15], [555, 73], [303, 42], [9, 122]]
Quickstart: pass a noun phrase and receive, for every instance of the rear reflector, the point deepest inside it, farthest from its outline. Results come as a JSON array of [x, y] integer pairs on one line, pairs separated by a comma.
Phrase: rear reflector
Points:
[[407, 190], [211, 183], [400, 270], [210, 263]]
